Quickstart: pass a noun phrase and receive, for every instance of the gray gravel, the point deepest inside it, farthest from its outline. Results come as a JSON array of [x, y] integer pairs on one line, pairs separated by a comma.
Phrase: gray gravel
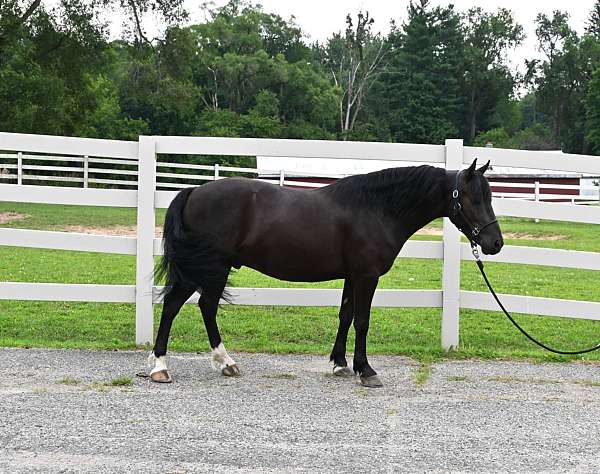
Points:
[[286, 413]]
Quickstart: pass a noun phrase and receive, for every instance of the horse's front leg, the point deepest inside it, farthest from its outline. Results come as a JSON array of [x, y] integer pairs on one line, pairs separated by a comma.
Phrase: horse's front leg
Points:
[[363, 297], [338, 354]]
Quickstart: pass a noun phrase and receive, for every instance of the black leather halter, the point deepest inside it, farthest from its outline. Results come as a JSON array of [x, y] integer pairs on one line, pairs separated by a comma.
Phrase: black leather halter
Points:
[[470, 230]]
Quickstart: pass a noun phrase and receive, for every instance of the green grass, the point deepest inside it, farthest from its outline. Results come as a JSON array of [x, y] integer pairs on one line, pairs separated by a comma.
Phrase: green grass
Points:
[[69, 381], [410, 331], [422, 374], [121, 382], [55, 217]]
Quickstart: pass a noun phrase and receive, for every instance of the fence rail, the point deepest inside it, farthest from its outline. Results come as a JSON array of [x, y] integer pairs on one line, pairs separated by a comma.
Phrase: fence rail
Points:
[[14, 167], [146, 197]]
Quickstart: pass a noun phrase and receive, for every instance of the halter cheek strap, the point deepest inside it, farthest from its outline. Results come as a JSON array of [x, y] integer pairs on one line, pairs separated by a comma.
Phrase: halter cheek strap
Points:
[[472, 230]]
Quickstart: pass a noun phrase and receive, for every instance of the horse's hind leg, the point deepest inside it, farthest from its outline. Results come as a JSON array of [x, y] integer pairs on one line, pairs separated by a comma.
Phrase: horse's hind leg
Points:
[[172, 303], [338, 354], [209, 305]]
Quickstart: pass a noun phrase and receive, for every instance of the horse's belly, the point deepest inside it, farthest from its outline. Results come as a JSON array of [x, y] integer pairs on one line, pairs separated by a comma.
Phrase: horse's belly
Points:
[[299, 274], [287, 261]]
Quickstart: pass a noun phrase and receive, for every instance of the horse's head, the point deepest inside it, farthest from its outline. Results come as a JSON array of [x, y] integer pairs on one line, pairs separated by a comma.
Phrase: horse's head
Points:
[[471, 209]]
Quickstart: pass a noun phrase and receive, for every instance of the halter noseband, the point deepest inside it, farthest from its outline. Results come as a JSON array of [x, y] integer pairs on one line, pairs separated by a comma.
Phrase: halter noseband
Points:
[[473, 230]]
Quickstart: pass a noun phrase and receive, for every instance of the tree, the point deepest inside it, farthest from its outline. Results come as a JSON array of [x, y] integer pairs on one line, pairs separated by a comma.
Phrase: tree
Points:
[[562, 78], [236, 63], [592, 107], [354, 60], [488, 81], [593, 23], [46, 58], [105, 119], [18, 14], [422, 86]]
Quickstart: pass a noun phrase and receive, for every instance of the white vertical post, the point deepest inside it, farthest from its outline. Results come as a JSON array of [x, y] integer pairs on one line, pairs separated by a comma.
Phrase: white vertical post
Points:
[[451, 267], [216, 171], [86, 171], [281, 177], [537, 195], [144, 314], [20, 168]]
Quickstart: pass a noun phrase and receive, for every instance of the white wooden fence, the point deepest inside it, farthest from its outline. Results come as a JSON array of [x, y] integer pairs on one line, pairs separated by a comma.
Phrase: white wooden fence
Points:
[[146, 198], [83, 171]]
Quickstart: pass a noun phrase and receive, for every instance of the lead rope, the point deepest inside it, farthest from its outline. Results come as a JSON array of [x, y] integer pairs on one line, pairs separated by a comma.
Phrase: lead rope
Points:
[[531, 338]]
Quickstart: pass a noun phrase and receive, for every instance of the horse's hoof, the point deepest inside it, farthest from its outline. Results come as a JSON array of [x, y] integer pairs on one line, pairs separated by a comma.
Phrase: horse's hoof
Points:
[[342, 371], [231, 371], [371, 382], [161, 376]]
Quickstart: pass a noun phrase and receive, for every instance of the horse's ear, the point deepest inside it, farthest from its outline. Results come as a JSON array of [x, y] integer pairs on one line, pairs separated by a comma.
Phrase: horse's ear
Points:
[[471, 170], [484, 168]]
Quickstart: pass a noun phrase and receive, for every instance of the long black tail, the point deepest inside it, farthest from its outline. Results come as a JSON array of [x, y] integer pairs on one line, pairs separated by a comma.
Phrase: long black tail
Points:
[[191, 261]]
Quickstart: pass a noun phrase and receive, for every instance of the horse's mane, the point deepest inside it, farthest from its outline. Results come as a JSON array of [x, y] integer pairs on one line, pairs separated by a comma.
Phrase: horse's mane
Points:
[[394, 189]]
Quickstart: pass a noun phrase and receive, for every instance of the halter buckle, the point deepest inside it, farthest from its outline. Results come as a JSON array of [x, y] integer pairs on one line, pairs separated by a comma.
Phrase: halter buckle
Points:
[[475, 252], [455, 194], [475, 231]]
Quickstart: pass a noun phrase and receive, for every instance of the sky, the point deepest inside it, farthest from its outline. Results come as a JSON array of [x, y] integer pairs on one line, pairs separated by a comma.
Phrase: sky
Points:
[[319, 18]]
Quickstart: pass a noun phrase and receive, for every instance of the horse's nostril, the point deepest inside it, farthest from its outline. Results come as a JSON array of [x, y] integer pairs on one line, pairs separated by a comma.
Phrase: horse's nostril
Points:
[[498, 244]]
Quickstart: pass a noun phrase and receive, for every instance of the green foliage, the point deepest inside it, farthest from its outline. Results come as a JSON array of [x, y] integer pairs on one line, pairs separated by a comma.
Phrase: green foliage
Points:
[[105, 118], [355, 59], [246, 72], [423, 90], [497, 137], [562, 79], [593, 24], [592, 103], [535, 137], [45, 57], [488, 81]]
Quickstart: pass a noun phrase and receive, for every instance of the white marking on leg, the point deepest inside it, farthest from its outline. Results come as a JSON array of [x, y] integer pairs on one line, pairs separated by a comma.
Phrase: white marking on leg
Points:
[[220, 359], [158, 363]]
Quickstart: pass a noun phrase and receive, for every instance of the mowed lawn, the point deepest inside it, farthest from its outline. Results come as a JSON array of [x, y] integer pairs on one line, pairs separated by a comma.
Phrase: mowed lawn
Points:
[[414, 332]]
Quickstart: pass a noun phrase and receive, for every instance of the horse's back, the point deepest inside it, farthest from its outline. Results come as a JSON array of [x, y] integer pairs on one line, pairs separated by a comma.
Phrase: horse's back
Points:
[[269, 227], [232, 207]]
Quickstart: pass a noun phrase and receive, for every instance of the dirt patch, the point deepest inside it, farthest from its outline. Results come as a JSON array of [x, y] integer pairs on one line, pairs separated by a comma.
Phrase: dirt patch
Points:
[[430, 231], [116, 230], [507, 235], [525, 236], [6, 217]]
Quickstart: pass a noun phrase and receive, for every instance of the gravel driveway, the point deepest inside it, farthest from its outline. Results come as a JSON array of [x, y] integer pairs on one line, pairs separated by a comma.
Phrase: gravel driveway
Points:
[[59, 412]]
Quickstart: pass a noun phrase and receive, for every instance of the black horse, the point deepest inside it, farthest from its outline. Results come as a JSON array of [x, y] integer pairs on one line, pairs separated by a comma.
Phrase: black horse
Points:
[[352, 229]]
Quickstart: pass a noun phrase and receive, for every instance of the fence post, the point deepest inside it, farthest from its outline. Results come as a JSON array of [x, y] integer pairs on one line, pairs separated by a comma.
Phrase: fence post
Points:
[[216, 171], [144, 314], [537, 195], [451, 265], [20, 168], [86, 171], [281, 177]]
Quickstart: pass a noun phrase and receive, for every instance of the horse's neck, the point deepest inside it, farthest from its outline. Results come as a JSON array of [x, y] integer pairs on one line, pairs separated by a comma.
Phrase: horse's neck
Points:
[[434, 204]]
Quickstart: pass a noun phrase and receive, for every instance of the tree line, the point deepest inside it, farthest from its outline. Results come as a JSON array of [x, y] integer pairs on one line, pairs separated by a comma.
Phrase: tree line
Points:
[[245, 72]]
